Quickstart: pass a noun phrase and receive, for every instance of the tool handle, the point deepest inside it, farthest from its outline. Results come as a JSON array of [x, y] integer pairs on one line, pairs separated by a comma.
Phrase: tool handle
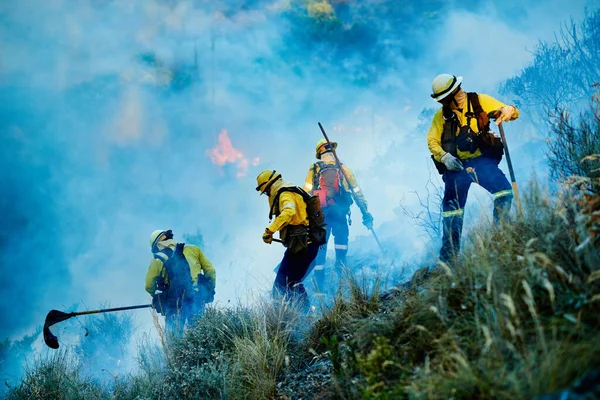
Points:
[[510, 168], [111, 310], [377, 240], [339, 166]]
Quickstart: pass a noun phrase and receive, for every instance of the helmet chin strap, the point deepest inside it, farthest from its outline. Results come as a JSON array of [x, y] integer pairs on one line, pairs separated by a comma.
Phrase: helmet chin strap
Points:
[[456, 104]]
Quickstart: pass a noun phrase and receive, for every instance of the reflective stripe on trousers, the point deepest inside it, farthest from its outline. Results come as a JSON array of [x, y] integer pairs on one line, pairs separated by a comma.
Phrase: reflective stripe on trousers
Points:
[[457, 183]]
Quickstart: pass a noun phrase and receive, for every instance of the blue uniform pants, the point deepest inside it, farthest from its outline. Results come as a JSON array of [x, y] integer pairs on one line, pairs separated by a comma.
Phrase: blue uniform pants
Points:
[[337, 225], [183, 313], [483, 171], [291, 272]]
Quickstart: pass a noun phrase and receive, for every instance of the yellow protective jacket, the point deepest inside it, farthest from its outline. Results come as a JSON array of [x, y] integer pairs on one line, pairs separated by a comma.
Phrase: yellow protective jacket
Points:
[[292, 208], [195, 258], [434, 136], [348, 186]]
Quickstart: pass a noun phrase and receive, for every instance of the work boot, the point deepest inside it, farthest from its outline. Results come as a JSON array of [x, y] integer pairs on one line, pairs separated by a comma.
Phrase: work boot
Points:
[[451, 239], [502, 209]]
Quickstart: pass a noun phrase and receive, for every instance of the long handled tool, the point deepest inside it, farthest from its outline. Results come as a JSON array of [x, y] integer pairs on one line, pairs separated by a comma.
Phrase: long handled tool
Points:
[[339, 165], [510, 169], [55, 316]]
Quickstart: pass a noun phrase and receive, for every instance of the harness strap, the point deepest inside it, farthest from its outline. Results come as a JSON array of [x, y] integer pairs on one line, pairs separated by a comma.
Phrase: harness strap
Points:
[[316, 183]]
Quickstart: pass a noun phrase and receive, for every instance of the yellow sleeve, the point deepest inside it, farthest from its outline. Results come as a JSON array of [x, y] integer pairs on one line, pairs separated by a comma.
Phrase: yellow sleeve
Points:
[[352, 185], [488, 103], [205, 265], [287, 208], [434, 136], [155, 271], [308, 182]]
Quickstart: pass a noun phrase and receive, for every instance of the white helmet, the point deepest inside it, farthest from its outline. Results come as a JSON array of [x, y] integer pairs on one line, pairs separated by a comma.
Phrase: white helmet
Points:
[[443, 85], [155, 235]]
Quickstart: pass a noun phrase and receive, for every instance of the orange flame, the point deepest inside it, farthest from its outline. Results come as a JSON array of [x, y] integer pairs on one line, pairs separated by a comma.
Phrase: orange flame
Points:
[[224, 153]]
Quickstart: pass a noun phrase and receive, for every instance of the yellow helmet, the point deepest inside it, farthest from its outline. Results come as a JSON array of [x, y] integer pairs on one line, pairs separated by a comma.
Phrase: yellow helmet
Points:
[[323, 146], [155, 235], [265, 179], [443, 85]]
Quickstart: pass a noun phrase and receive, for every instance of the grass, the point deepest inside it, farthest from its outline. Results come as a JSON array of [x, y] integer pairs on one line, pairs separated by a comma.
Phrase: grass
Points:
[[515, 317]]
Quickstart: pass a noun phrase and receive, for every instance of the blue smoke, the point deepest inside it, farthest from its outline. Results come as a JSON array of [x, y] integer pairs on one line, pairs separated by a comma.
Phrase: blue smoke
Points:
[[111, 112]]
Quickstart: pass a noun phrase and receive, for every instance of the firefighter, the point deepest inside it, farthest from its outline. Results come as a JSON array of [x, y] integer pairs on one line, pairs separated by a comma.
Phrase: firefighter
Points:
[[325, 180], [180, 279], [466, 151], [288, 204]]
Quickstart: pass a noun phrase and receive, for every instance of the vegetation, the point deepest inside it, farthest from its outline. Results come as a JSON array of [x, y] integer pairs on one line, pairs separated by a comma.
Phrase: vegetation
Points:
[[560, 80], [517, 317]]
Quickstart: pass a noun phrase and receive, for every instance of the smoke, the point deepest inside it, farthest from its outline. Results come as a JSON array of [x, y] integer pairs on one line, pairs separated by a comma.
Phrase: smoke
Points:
[[121, 117]]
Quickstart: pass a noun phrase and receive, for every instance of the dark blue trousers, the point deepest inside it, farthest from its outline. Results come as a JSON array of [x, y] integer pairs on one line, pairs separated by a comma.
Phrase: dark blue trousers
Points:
[[291, 271], [336, 224], [486, 173]]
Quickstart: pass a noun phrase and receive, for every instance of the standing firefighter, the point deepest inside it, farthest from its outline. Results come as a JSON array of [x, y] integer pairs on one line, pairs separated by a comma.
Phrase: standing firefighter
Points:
[[300, 224], [466, 151], [180, 279], [325, 180]]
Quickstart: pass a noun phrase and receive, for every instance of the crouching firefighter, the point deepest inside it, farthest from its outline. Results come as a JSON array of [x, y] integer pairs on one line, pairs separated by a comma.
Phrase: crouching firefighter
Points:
[[299, 221], [325, 180], [465, 150], [180, 279]]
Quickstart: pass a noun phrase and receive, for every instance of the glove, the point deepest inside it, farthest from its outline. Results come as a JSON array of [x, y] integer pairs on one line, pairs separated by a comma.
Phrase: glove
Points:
[[367, 220], [157, 303], [267, 236], [504, 114], [451, 162]]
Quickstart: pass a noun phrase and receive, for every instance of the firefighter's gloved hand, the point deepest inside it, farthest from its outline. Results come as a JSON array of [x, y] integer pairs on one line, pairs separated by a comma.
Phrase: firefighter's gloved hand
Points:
[[451, 162], [367, 220], [504, 114], [267, 236], [157, 303]]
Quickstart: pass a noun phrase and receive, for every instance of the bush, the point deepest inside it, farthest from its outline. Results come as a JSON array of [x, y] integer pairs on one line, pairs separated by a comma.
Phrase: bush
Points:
[[517, 317], [574, 149], [56, 378]]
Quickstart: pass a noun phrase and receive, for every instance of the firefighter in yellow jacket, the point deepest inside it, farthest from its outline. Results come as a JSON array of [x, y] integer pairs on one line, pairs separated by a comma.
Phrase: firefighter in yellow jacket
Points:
[[327, 181], [465, 151], [180, 279], [288, 207]]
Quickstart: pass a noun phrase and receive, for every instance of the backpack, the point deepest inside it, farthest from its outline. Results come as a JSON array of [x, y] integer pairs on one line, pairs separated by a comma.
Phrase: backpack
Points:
[[316, 221], [328, 186], [180, 287]]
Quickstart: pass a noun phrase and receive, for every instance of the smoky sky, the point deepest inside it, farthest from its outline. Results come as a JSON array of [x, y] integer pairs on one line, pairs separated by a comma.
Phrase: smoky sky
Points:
[[121, 117]]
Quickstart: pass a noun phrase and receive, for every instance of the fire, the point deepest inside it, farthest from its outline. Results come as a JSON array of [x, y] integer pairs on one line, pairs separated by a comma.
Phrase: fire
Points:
[[224, 153]]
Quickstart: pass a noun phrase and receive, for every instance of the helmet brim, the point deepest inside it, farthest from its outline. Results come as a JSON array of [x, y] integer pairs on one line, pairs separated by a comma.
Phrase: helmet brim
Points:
[[264, 186], [448, 91], [320, 150], [167, 231]]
